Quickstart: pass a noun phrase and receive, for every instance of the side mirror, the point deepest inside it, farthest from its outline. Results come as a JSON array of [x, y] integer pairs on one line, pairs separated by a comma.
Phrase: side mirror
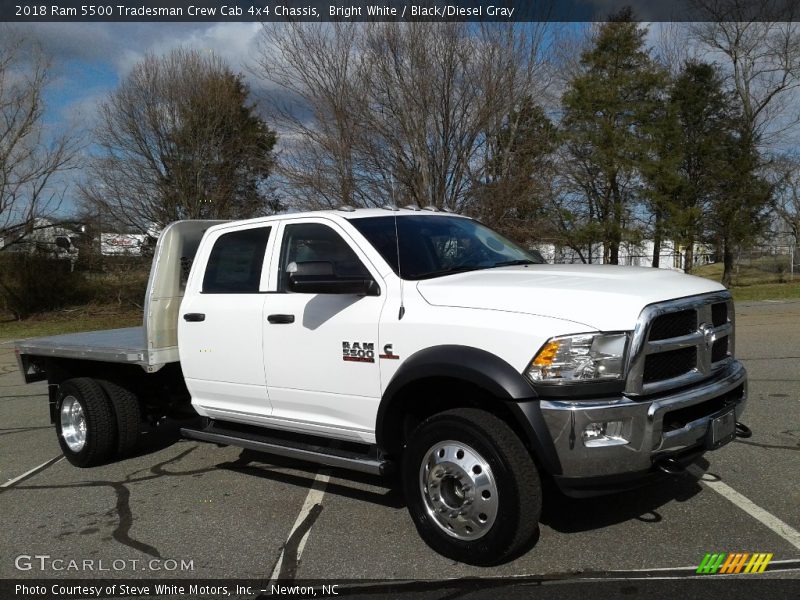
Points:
[[319, 277]]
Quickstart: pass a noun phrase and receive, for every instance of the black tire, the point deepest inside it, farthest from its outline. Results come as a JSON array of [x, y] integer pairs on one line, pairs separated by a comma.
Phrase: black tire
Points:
[[516, 480], [101, 429], [125, 405]]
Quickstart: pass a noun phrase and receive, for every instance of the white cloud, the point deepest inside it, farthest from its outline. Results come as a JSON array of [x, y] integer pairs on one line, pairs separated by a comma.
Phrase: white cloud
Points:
[[234, 42], [121, 45]]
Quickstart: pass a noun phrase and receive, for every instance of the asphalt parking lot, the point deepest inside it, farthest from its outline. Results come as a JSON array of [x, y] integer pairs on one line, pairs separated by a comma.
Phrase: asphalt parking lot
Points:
[[233, 513]]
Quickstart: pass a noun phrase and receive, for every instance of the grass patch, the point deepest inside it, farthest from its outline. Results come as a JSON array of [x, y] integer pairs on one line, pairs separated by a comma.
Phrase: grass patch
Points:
[[767, 291], [69, 320], [756, 273], [751, 283]]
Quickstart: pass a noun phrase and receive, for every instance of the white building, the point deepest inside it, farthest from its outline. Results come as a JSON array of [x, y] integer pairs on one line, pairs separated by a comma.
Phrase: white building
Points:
[[636, 255]]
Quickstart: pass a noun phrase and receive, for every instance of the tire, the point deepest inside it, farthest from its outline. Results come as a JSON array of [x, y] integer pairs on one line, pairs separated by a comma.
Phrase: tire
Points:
[[125, 405], [468, 463], [85, 423]]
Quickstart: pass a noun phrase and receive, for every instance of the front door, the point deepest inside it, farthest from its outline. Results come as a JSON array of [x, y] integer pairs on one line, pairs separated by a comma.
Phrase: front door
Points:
[[320, 349]]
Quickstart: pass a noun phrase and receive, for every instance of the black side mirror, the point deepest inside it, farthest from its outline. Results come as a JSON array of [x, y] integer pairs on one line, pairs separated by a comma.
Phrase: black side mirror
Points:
[[319, 277]]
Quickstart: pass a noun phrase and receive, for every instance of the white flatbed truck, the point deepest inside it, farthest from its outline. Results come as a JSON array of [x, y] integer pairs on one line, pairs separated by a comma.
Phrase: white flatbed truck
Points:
[[413, 341]]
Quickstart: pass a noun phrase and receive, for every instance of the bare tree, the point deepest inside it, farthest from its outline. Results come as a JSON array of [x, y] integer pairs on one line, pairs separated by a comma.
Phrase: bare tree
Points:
[[316, 67], [673, 46], [787, 197], [762, 60], [433, 93], [396, 112], [31, 157], [179, 139]]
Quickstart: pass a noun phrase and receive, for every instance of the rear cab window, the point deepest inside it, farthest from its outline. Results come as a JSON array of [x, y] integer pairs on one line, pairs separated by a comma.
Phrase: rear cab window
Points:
[[235, 263]]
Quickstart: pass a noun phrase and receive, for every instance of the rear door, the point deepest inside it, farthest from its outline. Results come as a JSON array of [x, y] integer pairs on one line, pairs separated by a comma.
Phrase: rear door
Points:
[[219, 328], [320, 350]]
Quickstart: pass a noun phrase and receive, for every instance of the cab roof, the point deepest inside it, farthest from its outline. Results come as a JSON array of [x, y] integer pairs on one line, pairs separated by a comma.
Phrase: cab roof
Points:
[[360, 213]]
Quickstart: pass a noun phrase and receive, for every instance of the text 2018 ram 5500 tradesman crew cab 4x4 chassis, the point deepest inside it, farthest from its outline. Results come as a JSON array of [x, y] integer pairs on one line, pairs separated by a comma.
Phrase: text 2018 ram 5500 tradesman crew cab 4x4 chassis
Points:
[[413, 340]]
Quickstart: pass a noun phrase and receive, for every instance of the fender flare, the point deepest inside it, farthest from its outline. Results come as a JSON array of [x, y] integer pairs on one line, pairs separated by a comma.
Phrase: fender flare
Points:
[[485, 370]]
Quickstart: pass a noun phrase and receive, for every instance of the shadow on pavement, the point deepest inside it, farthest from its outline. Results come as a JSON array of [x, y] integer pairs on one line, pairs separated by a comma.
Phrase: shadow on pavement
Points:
[[567, 515]]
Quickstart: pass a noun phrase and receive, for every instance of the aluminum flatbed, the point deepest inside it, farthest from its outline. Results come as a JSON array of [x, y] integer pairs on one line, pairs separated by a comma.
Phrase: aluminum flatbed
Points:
[[126, 345], [150, 346]]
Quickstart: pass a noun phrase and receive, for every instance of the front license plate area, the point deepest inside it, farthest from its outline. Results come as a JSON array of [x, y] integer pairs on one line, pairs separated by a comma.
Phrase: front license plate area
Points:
[[721, 430]]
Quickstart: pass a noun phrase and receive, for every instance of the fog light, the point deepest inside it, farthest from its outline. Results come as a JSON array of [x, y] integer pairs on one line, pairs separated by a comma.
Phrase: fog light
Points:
[[607, 433]]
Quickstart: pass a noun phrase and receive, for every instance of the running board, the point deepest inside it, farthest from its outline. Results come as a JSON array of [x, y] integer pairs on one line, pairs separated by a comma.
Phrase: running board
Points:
[[332, 457]]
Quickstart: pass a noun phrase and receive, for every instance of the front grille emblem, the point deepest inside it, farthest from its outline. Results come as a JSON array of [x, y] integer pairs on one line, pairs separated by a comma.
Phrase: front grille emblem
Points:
[[709, 334]]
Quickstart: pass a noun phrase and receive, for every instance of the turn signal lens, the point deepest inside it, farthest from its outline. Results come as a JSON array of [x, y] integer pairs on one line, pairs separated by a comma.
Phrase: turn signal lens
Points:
[[547, 354], [581, 357]]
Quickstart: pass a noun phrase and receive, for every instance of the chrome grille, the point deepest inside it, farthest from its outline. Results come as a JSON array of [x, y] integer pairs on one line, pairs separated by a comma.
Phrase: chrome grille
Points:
[[680, 342], [673, 325], [719, 313], [666, 365], [719, 351]]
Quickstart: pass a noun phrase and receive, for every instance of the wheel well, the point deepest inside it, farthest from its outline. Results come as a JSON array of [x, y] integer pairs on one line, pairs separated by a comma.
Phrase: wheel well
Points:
[[158, 393], [423, 398]]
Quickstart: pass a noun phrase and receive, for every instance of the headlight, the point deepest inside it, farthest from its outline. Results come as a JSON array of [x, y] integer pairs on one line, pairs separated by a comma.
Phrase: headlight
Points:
[[582, 357]]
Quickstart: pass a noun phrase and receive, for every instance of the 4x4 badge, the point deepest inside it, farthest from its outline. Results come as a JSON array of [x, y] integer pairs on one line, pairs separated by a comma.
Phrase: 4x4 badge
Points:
[[709, 334]]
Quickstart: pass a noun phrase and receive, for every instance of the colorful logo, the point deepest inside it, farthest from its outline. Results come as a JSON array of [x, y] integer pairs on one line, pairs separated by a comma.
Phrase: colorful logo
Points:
[[735, 562]]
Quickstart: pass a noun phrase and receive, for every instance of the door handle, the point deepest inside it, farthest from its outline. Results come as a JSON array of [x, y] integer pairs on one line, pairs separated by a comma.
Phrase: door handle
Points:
[[194, 317], [280, 319]]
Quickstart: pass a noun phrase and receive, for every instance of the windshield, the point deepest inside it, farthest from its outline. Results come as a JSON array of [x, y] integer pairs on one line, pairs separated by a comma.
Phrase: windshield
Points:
[[432, 246]]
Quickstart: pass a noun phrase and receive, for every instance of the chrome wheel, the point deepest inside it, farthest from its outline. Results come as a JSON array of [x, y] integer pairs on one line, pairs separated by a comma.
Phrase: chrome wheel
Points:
[[73, 423], [459, 490]]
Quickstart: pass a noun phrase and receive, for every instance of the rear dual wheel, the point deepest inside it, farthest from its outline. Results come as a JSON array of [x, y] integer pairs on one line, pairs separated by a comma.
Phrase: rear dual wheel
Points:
[[471, 487], [96, 421]]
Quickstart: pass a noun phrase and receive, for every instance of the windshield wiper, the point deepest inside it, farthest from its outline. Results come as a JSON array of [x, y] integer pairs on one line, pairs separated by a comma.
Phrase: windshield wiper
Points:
[[513, 263], [450, 271]]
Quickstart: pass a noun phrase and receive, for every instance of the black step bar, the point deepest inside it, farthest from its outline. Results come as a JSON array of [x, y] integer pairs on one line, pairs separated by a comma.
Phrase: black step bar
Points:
[[315, 453]]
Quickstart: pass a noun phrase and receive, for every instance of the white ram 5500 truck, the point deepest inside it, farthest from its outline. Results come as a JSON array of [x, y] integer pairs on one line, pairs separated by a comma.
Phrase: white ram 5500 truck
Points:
[[414, 341]]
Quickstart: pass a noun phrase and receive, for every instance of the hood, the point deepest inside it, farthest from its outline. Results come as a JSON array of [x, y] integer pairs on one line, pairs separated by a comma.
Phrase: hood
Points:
[[603, 297]]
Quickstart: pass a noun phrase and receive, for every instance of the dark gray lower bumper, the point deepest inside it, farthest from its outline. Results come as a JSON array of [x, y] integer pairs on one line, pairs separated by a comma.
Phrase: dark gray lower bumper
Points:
[[668, 425]]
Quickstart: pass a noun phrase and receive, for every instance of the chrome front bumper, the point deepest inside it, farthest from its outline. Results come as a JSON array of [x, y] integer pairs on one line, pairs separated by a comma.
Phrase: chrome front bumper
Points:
[[645, 436]]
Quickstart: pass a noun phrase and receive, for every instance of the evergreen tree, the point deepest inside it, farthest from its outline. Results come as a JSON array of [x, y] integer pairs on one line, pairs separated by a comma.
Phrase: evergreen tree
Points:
[[226, 170], [608, 108], [512, 197], [690, 157], [739, 209], [180, 139], [704, 181]]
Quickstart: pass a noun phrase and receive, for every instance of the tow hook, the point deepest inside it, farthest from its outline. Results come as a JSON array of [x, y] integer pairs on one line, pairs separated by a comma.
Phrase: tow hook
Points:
[[743, 431], [670, 466]]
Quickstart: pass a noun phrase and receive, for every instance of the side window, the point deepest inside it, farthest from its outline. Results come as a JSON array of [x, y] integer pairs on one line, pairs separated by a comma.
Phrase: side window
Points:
[[315, 242], [234, 266]]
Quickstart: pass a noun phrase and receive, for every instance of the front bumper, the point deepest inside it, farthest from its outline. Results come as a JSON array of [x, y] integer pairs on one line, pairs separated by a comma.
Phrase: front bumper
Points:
[[673, 425]]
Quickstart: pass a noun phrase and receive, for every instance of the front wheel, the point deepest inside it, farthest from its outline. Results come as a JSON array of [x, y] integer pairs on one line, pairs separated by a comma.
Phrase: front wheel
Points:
[[471, 487], [85, 423]]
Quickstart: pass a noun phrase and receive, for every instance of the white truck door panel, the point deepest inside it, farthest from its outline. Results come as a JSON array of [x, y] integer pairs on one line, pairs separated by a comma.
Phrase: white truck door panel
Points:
[[220, 337], [323, 367]]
